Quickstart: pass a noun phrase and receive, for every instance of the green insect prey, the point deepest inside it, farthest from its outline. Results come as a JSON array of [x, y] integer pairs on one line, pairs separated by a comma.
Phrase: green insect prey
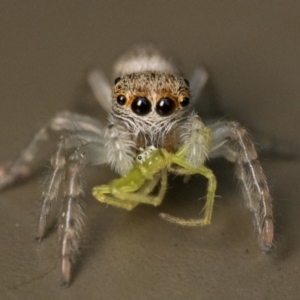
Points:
[[136, 186]]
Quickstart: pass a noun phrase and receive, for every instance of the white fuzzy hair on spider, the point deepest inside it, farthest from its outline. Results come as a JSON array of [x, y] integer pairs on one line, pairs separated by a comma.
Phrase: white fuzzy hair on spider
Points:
[[153, 129]]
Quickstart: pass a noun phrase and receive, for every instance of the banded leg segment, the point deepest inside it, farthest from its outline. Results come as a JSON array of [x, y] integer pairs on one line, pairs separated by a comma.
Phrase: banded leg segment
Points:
[[157, 200], [234, 143], [104, 194], [22, 167], [71, 216], [91, 151], [142, 196]]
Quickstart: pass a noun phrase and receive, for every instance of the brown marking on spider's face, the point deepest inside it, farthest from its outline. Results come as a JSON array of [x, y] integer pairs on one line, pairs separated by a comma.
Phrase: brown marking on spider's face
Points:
[[170, 141], [150, 93]]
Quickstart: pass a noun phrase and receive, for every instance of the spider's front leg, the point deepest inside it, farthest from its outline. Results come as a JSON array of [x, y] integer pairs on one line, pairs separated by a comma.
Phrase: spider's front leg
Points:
[[111, 147], [71, 216], [233, 142]]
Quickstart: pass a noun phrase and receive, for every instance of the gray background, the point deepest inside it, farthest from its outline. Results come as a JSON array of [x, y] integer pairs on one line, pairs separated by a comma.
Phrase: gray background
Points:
[[252, 49]]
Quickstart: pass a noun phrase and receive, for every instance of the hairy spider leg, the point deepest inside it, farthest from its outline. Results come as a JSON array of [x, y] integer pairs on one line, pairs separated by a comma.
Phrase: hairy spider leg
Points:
[[233, 142], [27, 161]]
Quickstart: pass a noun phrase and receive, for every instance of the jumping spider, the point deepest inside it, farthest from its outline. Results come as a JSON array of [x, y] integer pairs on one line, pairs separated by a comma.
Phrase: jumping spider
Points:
[[151, 108]]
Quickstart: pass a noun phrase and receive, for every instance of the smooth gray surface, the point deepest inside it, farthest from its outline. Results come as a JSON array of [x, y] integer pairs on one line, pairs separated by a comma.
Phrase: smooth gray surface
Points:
[[252, 51]]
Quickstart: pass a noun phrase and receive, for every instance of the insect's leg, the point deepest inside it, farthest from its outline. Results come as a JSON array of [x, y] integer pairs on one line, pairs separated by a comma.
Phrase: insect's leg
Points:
[[163, 187], [101, 88], [233, 142], [211, 189], [149, 186], [130, 191], [103, 193], [124, 203], [26, 163], [142, 195], [112, 193]]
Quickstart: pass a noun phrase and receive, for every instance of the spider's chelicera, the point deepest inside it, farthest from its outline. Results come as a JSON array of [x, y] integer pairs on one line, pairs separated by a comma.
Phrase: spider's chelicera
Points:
[[153, 130]]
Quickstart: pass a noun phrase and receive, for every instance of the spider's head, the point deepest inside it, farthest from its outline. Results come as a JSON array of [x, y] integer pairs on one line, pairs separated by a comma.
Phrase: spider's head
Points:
[[150, 102]]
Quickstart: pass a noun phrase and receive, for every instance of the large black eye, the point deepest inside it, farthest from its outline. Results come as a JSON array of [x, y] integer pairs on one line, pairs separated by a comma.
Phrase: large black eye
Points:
[[184, 101], [121, 99], [165, 106], [141, 106]]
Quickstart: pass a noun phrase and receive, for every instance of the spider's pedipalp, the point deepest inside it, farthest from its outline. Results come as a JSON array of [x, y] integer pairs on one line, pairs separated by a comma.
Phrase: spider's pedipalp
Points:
[[119, 147], [196, 139], [232, 141]]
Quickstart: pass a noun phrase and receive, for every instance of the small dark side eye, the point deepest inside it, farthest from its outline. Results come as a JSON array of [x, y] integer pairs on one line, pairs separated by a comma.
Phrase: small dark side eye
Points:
[[184, 102], [121, 99]]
